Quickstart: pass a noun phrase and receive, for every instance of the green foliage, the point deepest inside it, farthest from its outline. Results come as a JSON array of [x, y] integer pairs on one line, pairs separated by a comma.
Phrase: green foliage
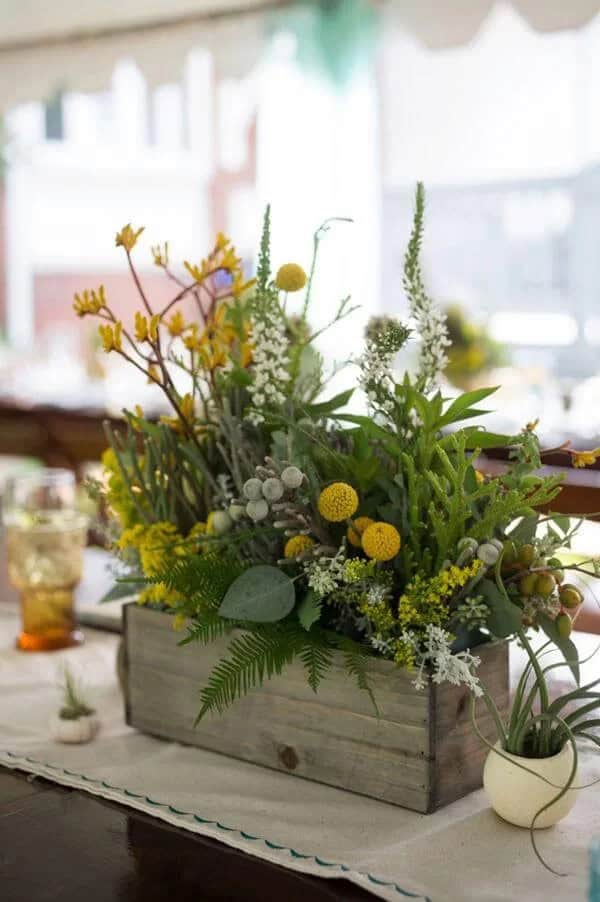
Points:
[[261, 594], [202, 579], [316, 655], [356, 661], [566, 646], [309, 609], [505, 617], [206, 627]]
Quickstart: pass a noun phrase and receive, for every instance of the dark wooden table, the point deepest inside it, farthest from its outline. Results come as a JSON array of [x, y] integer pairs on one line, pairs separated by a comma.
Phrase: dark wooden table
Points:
[[61, 845]]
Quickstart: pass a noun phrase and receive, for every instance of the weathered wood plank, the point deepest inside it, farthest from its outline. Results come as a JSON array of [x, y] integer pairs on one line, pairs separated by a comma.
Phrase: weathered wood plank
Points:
[[420, 753]]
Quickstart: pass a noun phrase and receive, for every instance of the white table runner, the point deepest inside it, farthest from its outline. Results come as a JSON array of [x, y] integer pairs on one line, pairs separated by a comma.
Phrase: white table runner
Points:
[[461, 854]]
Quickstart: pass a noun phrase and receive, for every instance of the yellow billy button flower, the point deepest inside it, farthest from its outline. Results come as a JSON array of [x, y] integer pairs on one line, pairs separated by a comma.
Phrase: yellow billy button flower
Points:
[[355, 531], [297, 546], [176, 324], [338, 502], [290, 277], [127, 237], [585, 458], [479, 476], [111, 336], [381, 541]]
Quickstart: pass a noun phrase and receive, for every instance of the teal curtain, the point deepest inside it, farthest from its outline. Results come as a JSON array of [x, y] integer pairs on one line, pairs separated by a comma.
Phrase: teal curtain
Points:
[[335, 37]]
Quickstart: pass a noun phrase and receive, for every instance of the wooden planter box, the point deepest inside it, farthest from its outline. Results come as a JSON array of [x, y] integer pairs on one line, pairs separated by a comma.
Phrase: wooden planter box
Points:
[[421, 753]]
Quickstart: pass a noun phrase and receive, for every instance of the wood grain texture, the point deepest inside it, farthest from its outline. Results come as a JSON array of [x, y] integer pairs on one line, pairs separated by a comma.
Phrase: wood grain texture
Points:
[[420, 753]]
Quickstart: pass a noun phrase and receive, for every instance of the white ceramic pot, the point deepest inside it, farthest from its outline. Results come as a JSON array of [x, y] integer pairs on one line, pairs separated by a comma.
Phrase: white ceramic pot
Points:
[[517, 795], [79, 730]]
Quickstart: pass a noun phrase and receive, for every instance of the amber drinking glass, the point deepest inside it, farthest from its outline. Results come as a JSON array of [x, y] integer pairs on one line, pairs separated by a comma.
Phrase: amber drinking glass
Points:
[[45, 538]]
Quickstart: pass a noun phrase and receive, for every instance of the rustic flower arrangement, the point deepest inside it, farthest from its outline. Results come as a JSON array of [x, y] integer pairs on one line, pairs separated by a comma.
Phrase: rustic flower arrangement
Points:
[[285, 532]]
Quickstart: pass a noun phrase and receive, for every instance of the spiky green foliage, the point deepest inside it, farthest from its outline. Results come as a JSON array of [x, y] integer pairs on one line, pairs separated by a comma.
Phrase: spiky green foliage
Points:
[[413, 278]]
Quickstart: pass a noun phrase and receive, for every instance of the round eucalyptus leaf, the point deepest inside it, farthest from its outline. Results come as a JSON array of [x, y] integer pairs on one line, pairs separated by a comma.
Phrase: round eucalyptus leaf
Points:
[[261, 594]]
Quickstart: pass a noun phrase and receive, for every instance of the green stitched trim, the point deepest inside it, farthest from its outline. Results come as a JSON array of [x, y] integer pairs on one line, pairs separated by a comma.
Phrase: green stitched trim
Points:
[[271, 845]]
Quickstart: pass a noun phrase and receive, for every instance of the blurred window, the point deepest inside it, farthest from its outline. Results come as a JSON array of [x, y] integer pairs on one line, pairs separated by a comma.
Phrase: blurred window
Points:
[[505, 133]]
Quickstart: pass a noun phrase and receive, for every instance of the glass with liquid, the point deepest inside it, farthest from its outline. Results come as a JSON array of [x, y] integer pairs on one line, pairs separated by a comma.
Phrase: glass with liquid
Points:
[[45, 539]]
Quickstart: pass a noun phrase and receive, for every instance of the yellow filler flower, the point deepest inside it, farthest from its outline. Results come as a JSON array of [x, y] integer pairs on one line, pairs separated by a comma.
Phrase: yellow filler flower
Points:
[[290, 277], [338, 502], [381, 541], [585, 458], [297, 545], [355, 531]]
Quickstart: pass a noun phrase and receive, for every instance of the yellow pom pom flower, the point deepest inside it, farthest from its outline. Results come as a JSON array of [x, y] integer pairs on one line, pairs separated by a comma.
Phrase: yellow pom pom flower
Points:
[[354, 533], [297, 546], [338, 502], [290, 277], [381, 541]]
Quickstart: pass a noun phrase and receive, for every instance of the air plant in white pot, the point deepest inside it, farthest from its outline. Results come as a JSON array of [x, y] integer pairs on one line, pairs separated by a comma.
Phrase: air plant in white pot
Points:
[[76, 721], [530, 775]]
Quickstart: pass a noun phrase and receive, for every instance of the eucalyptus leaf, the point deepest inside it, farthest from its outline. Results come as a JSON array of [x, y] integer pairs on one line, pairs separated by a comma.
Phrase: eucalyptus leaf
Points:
[[309, 609], [261, 594], [562, 522], [505, 617], [524, 532], [123, 590]]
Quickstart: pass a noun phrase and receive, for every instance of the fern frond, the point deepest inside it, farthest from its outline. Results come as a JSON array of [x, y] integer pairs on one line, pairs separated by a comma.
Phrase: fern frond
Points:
[[356, 660], [252, 658], [206, 627], [202, 579], [316, 656]]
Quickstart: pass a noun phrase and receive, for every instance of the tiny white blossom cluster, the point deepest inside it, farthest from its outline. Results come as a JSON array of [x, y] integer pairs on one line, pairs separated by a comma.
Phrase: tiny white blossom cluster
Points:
[[432, 328], [270, 356], [326, 574], [435, 652], [376, 380], [415, 421], [385, 337], [384, 646]]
